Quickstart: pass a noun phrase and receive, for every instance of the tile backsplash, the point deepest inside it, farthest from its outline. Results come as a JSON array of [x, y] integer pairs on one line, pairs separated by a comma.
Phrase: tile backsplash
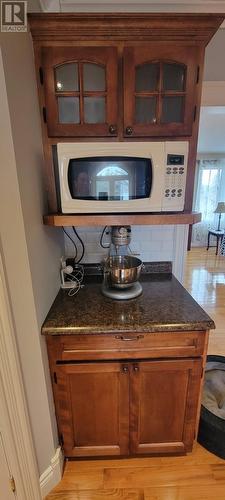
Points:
[[152, 243]]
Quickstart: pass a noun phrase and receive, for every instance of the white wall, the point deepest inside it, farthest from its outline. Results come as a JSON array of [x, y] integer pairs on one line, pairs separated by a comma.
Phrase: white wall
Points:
[[31, 251], [152, 243], [212, 117], [211, 130], [214, 57]]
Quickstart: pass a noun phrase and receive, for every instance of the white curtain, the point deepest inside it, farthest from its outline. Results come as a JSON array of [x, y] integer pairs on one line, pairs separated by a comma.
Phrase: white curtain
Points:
[[209, 190]]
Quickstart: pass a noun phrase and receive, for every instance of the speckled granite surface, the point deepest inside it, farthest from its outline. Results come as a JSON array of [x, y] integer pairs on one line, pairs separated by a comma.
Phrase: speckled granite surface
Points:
[[164, 305]]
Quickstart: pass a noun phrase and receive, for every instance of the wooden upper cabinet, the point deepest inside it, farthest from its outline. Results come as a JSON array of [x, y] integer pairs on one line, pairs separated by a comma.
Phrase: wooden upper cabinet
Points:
[[80, 91], [160, 84], [159, 88], [135, 72]]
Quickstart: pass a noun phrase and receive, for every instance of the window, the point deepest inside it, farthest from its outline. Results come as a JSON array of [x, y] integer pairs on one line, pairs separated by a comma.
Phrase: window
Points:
[[210, 189]]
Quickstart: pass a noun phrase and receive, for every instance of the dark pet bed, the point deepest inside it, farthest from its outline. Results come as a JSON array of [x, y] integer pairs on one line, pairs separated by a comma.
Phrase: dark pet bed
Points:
[[211, 433]]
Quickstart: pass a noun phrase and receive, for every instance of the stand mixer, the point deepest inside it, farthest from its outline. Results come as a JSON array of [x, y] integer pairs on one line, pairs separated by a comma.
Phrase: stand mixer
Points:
[[122, 269]]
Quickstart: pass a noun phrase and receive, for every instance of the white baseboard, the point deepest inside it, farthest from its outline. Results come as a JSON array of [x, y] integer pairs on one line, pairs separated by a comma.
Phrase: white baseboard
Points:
[[53, 474]]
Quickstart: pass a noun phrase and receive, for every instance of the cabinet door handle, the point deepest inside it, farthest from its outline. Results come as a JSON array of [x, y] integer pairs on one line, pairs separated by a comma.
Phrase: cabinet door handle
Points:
[[129, 131], [112, 129], [129, 339], [125, 368], [136, 368]]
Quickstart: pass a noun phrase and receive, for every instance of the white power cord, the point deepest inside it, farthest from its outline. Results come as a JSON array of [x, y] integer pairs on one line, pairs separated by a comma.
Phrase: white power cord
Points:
[[74, 275], [77, 278]]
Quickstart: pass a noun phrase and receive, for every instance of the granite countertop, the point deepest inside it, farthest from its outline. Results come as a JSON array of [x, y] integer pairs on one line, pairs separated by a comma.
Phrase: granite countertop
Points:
[[164, 305]]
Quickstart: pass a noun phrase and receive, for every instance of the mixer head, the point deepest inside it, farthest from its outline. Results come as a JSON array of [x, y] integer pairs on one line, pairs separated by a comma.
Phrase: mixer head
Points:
[[121, 235]]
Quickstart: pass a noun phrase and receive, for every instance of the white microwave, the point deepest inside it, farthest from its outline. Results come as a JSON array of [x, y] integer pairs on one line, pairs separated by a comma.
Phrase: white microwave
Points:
[[120, 177]]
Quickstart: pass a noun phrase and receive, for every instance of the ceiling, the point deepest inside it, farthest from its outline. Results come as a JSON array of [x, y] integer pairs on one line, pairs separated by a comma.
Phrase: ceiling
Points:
[[132, 6]]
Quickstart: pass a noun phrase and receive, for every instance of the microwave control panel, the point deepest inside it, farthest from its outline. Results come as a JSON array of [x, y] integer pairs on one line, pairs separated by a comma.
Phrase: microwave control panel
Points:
[[175, 178]]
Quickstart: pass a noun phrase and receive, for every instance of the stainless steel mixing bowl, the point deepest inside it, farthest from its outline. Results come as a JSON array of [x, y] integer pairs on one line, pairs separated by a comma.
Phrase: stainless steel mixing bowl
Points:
[[124, 270]]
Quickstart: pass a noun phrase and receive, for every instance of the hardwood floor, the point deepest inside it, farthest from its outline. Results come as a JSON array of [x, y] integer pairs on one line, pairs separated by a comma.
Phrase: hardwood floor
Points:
[[197, 476], [205, 280]]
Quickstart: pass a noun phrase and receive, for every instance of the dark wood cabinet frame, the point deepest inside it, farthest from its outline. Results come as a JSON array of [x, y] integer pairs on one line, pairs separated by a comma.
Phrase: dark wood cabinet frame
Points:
[[105, 56], [189, 32], [187, 55], [117, 398]]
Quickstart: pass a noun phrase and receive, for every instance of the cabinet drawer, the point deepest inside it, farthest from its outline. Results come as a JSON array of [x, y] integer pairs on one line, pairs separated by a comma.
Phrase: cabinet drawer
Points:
[[129, 345]]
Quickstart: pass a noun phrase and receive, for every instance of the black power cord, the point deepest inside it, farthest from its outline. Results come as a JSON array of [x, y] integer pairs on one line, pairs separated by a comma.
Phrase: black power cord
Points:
[[74, 244], [81, 242], [101, 239]]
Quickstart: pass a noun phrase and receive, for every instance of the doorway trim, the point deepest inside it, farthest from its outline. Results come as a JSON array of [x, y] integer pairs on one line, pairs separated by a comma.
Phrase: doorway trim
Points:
[[18, 441]]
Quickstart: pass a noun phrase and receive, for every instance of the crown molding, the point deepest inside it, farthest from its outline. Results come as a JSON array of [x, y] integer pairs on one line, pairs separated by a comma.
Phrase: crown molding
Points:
[[126, 26]]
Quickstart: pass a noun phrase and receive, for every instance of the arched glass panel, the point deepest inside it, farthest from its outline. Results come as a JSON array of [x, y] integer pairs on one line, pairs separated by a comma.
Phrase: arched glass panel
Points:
[[147, 77], [66, 77], [93, 77]]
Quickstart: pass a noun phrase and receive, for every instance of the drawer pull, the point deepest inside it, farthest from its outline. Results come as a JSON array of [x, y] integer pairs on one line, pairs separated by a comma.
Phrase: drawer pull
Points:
[[136, 368], [129, 339], [125, 368]]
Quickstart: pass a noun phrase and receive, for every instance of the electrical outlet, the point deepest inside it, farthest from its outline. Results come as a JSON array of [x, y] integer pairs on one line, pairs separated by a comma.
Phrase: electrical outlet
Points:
[[63, 262]]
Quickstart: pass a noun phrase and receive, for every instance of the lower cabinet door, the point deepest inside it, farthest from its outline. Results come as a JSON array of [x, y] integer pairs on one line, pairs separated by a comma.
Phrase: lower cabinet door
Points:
[[93, 408], [163, 405]]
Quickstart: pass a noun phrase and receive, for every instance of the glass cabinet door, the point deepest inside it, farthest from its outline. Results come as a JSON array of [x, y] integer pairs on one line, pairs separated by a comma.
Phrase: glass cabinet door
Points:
[[160, 92], [146, 85], [94, 89], [159, 84], [81, 91], [87, 85], [66, 80], [173, 92]]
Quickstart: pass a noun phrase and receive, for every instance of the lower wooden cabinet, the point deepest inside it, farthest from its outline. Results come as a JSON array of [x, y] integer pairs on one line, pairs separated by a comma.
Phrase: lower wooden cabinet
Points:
[[163, 405], [93, 408], [136, 407]]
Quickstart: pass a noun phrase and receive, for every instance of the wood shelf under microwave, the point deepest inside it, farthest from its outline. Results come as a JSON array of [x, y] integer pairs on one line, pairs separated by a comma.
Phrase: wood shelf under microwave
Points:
[[120, 219]]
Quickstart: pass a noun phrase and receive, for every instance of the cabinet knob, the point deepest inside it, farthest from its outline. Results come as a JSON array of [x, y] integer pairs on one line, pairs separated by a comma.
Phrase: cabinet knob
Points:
[[112, 129], [129, 130], [125, 368], [136, 368]]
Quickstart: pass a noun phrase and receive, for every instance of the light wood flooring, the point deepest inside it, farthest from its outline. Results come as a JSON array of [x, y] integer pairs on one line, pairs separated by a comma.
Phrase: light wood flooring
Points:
[[198, 476]]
